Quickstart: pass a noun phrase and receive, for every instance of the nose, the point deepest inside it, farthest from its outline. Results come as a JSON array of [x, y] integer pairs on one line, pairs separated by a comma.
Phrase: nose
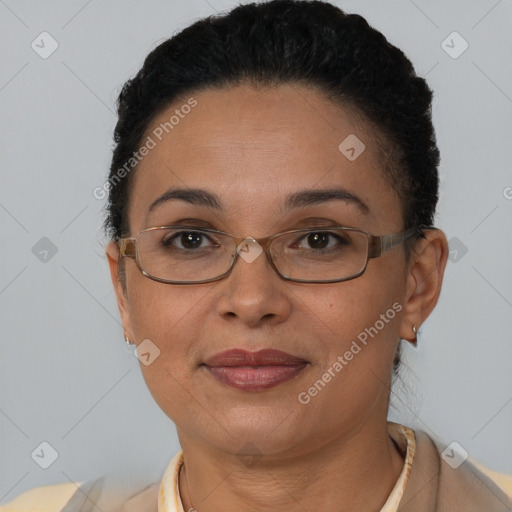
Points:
[[253, 292]]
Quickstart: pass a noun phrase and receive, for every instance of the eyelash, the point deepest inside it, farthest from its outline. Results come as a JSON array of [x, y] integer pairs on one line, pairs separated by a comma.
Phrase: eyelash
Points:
[[313, 222], [340, 241]]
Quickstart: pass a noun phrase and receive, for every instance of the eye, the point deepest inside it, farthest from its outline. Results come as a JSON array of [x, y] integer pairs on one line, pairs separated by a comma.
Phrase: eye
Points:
[[319, 240], [188, 240]]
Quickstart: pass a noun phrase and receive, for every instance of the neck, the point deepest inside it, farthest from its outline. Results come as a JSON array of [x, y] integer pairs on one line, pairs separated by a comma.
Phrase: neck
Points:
[[351, 474]]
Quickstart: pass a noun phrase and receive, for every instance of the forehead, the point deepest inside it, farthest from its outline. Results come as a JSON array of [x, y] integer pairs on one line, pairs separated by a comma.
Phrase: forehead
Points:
[[253, 147]]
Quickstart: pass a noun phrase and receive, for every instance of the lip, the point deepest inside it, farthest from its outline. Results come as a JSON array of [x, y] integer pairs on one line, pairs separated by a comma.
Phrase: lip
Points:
[[254, 371], [265, 357]]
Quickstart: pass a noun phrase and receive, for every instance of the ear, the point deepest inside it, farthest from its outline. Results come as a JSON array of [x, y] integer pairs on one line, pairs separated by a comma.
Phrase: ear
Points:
[[425, 277], [112, 251]]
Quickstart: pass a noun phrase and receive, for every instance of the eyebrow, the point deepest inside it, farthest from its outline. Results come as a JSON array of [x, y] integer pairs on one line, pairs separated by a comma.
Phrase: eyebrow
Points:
[[190, 195], [317, 196], [299, 199]]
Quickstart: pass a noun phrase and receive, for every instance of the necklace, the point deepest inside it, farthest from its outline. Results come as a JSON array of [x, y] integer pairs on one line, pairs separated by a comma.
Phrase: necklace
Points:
[[191, 508]]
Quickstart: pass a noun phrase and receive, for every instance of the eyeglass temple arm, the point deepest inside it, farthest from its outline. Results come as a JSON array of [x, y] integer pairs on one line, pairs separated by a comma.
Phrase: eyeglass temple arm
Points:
[[127, 247], [380, 244]]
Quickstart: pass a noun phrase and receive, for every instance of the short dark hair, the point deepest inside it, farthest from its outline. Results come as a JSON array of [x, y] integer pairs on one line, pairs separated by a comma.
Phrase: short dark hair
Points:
[[312, 43], [289, 41]]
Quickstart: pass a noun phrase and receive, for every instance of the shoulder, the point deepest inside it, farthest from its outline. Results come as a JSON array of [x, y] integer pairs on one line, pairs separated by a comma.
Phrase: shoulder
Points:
[[502, 480], [109, 493], [48, 498], [455, 482], [99, 494]]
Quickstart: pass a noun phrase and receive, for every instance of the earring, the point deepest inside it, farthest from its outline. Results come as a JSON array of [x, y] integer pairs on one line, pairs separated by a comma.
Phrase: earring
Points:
[[128, 342], [414, 342]]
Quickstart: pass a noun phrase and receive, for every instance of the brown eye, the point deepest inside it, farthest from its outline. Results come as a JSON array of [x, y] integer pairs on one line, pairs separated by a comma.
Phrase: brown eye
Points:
[[318, 240], [185, 240]]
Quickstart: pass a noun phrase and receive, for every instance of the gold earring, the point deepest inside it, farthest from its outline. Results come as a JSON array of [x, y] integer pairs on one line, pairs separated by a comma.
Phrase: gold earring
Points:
[[414, 341]]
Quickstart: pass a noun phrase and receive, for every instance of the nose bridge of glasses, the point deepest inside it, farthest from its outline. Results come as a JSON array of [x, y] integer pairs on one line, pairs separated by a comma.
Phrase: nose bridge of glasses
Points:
[[249, 248]]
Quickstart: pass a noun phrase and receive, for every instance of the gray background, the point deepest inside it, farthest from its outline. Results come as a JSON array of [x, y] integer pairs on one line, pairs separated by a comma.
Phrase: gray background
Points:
[[65, 375]]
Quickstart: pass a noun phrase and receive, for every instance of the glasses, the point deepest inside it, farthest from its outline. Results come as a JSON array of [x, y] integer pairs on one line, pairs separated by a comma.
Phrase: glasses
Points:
[[190, 255]]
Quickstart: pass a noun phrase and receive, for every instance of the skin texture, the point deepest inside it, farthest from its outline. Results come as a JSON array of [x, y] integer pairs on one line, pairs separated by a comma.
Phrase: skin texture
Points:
[[252, 147]]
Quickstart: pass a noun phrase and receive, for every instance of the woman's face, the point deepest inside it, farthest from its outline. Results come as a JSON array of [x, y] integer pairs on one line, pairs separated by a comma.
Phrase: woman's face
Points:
[[253, 148]]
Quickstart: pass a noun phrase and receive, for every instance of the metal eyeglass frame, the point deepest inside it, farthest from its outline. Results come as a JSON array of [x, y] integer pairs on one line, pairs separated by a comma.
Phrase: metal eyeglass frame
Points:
[[377, 245]]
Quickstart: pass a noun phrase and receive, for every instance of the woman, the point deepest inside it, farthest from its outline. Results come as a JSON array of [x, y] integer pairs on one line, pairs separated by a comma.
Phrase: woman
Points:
[[271, 203]]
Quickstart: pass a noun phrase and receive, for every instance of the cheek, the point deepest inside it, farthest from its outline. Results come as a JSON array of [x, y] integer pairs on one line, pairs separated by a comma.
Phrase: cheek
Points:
[[359, 323], [171, 318], [346, 309], [158, 310], [353, 374]]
